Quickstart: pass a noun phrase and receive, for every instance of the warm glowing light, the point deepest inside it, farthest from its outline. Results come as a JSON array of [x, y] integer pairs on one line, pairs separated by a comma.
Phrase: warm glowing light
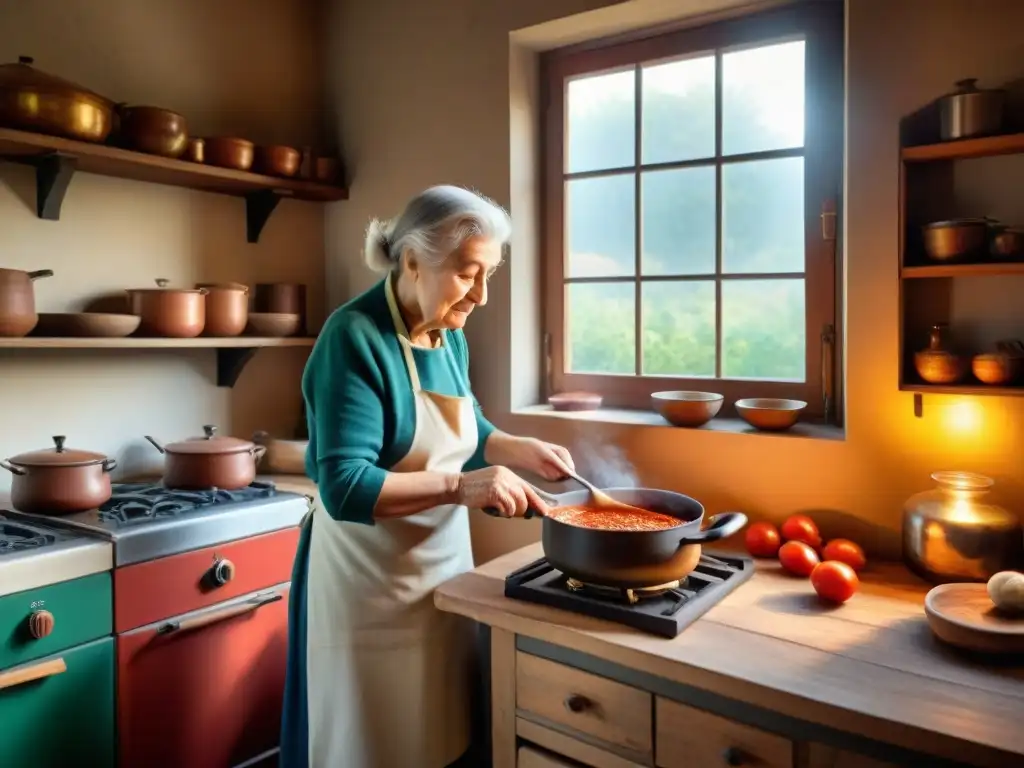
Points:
[[963, 418]]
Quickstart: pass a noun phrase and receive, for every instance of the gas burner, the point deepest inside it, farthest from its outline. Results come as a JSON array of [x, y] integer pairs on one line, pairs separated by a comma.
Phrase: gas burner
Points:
[[664, 609], [140, 502], [631, 596], [18, 538]]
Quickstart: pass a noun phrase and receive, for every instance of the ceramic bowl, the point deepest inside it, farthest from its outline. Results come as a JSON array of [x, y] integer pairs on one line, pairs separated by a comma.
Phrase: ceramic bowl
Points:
[[683, 408], [772, 414], [273, 324]]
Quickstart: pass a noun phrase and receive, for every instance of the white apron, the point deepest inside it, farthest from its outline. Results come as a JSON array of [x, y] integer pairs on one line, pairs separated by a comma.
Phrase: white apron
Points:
[[388, 674]]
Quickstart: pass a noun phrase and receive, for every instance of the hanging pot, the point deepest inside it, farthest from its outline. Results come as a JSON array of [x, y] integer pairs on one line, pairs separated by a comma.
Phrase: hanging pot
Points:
[[18, 301], [35, 101], [179, 313], [59, 480], [210, 461]]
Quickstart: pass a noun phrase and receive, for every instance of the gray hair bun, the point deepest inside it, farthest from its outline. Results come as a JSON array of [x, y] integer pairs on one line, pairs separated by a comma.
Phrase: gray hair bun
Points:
[[377, 248]]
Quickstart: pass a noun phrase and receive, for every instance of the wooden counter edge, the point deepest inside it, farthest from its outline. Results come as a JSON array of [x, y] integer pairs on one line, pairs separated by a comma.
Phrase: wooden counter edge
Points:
[[910, 737]]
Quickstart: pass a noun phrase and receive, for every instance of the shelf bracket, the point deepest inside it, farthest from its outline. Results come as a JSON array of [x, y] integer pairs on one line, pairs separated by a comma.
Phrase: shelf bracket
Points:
[[231, 361], [918, 405], [54, 172], [258, 207]]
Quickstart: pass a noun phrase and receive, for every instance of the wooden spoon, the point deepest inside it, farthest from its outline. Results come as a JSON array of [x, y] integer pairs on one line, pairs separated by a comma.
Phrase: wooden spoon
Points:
[[602, 499]]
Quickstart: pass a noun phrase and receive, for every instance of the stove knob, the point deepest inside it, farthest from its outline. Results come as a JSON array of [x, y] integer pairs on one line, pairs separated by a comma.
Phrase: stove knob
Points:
[[40, 624], [222, 572]]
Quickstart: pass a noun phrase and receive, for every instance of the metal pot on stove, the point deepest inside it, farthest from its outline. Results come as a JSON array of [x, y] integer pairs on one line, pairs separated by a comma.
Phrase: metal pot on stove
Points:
[[59, 480], [210, 461]]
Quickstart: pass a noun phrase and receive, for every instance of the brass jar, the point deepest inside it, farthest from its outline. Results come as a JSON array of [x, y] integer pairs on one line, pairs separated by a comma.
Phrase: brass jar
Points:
[[937, 364]]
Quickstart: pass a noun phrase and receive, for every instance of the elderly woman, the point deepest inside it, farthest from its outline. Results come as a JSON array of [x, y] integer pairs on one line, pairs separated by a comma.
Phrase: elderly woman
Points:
[[400, 451]]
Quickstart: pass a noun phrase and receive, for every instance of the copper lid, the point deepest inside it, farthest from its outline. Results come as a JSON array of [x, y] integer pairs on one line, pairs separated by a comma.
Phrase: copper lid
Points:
[[224, 287], [58, 456], [23, 76], [161, 287], [210, 443]]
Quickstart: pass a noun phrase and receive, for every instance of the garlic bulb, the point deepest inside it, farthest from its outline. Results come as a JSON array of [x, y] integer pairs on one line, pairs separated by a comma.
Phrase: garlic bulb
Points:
[[1007, 591]]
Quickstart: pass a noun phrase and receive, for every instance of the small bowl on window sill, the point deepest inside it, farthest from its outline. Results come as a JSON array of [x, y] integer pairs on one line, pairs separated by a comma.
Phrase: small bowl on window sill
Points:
[[575, 401], [770, 414], [684, 408]]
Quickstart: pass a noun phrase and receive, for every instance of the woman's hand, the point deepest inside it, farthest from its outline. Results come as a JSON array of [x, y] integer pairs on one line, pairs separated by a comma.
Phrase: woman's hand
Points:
[[498, 488], [550, 461]]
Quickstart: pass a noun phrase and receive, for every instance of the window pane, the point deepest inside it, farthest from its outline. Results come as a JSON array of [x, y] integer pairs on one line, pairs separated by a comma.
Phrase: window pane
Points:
[[679, 328], [600, 229], [678, 221], [763, 330], [763, 98], [763, 216], [601, 116], [678, 110], [600, 323]]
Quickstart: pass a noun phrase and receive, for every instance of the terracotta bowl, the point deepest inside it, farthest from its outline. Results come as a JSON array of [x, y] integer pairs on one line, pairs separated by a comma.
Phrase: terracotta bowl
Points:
[[683, 408], [771, 414], [273, 324]]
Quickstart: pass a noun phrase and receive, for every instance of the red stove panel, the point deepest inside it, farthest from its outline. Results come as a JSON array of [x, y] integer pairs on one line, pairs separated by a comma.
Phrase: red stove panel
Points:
[[151, 591], [204, 690]]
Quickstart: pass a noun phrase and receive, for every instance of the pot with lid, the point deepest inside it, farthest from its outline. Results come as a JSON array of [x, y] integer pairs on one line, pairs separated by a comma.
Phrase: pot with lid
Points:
[[210, 461], [970, 111], [18, 301], [178, 313], [36, 101], [59, 480]]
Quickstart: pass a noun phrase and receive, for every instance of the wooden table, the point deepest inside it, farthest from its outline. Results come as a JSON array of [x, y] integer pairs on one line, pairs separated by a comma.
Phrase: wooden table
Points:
[[862, 684]]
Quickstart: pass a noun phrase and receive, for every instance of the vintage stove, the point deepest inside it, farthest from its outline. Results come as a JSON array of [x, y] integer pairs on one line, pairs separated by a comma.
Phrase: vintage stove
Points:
[[200, 616], [145, 521], [662, 609], [34, 555]]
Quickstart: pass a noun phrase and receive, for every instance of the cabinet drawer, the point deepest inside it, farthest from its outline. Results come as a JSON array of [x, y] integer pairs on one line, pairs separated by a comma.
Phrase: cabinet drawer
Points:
[[170, 586], [532, 758], [80, 609], [820, 756], [692, 738], [600, 708], [60, 719]]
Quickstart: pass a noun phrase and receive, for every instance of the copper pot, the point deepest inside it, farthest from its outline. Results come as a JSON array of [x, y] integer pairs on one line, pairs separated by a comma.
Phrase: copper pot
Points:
[[200, 463], [18, 301], [59, 480], [152, 130], [227, 308], [35, 101], [178, 313], [278, 160], [228, 153]]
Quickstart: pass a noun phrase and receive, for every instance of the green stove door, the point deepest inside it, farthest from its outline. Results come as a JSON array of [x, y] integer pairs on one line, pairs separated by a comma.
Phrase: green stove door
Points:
[[58, 712]]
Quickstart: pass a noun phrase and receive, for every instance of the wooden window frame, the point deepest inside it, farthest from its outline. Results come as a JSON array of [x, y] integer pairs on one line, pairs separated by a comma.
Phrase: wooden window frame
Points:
[[821, 25]]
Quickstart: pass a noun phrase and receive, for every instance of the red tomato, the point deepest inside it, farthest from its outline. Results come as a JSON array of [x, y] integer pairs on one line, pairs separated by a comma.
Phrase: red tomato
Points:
[[801, 528], [845, 551], [797, 557], [834, 581], [763, 540]]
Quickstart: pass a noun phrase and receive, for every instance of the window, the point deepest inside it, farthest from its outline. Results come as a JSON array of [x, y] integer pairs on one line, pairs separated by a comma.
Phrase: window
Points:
[[686, 175]]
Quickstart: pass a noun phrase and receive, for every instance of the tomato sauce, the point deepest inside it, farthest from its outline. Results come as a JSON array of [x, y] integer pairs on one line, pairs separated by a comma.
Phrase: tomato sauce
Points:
[[603, 519]]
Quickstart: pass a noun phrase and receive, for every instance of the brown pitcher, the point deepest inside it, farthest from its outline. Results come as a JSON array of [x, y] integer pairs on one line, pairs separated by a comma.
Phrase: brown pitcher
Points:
[[936, 364], [18, 301]]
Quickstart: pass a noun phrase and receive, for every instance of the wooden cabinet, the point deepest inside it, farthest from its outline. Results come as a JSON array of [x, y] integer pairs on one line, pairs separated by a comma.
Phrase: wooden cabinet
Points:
[[58, 712], [821, 756], [692, 738], [534, 758]]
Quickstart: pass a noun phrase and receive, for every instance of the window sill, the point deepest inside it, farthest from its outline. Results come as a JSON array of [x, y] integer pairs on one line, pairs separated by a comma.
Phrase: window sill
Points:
[[651, 419]]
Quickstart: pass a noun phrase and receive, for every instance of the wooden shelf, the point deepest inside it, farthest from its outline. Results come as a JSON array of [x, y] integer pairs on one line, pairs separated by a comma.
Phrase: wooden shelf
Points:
[[232, 353], [963, 270], [965, 149], [967, 388], [56, 160]]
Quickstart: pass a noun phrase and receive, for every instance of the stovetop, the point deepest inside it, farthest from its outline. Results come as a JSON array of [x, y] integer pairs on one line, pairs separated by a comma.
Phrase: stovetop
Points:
[[146, 520], [33, 555], [664, 610]]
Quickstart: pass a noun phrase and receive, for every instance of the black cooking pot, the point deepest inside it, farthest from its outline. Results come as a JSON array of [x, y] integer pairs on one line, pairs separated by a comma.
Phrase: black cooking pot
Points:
[[634, 559]]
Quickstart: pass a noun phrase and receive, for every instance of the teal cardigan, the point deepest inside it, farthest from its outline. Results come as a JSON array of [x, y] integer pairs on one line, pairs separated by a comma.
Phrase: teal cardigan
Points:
[[360, 407]]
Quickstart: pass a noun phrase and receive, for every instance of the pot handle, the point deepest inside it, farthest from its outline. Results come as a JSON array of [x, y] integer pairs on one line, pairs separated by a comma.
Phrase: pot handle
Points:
[[155, 443], [14, 469], [40, 273], [109, 465], [725, 524], [258, 452]]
